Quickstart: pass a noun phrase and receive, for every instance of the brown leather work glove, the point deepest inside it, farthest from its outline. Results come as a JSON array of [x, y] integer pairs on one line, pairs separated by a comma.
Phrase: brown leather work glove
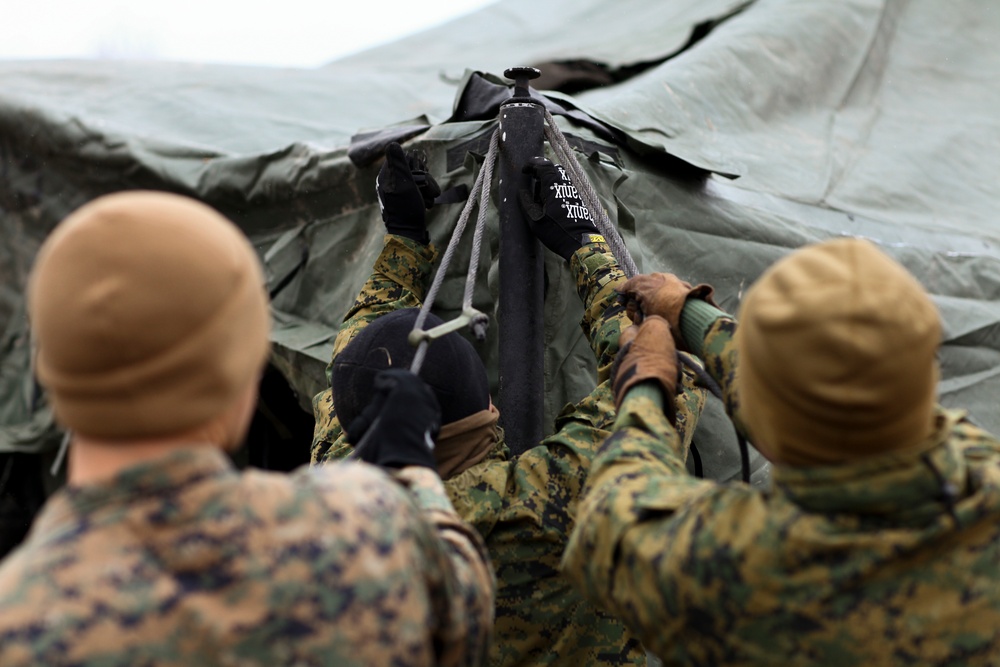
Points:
[[662, 294], [647, 353]]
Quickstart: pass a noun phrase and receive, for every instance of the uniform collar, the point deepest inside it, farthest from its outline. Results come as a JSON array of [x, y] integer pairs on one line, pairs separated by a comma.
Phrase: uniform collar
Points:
[[163, 476], [901, 484]]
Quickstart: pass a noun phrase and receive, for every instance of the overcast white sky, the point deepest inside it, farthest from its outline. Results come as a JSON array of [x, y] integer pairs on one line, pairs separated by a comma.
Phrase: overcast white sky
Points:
[[293, 33]]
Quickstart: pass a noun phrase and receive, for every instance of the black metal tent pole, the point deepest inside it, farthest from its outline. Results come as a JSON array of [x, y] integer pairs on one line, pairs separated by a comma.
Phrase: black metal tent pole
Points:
[[520, 315]]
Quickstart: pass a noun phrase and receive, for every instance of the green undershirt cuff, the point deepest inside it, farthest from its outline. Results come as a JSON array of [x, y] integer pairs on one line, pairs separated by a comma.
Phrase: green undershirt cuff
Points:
[[650, 389], [697, 317]]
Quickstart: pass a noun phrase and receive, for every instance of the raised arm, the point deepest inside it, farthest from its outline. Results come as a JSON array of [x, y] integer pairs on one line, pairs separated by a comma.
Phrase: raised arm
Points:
[[399, 278], [627, 534]]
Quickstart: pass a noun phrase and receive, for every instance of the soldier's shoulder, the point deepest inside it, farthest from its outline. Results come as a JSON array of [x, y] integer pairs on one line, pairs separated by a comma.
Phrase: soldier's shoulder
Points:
[[342, 484]]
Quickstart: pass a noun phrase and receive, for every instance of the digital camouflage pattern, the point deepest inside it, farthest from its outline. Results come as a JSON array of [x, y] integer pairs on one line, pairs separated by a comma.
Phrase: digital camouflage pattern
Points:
[[525, 507], [186, 561], [399, 280], [859, 564]]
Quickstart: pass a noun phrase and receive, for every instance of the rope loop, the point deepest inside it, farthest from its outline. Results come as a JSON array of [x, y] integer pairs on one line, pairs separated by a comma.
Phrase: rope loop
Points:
[[480, 194]]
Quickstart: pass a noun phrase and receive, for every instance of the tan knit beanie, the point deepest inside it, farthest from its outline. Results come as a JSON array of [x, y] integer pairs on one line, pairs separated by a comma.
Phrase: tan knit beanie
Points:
[[836, 346], [149, 316]]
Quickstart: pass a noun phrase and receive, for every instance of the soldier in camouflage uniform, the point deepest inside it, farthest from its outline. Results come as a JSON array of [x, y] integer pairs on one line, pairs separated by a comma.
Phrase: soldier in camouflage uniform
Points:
[[878, 544], [523, 507], [152, 329]]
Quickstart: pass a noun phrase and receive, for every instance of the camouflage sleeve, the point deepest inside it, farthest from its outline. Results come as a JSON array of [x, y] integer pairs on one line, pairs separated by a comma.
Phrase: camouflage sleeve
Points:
[[597, 275], [719, 353], [638, 476], [582, 427], [399, 279], [556, 472], [469, 603], [329, 443]]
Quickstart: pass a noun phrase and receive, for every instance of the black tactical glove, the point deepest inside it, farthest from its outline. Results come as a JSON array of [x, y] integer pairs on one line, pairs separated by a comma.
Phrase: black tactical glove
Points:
[[558, 216], [398, 427], [404, 190]]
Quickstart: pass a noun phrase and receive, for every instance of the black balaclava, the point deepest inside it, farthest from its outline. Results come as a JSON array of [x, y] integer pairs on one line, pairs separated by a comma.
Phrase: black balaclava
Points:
[[452, 367]]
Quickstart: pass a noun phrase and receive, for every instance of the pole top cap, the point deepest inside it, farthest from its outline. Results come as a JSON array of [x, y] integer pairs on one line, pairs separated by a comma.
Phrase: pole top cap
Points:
[[521, 77]]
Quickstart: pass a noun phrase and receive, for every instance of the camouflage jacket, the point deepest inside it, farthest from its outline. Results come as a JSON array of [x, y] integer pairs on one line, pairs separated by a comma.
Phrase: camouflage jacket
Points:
[[860, 564], [525, 507], [186, 561]]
